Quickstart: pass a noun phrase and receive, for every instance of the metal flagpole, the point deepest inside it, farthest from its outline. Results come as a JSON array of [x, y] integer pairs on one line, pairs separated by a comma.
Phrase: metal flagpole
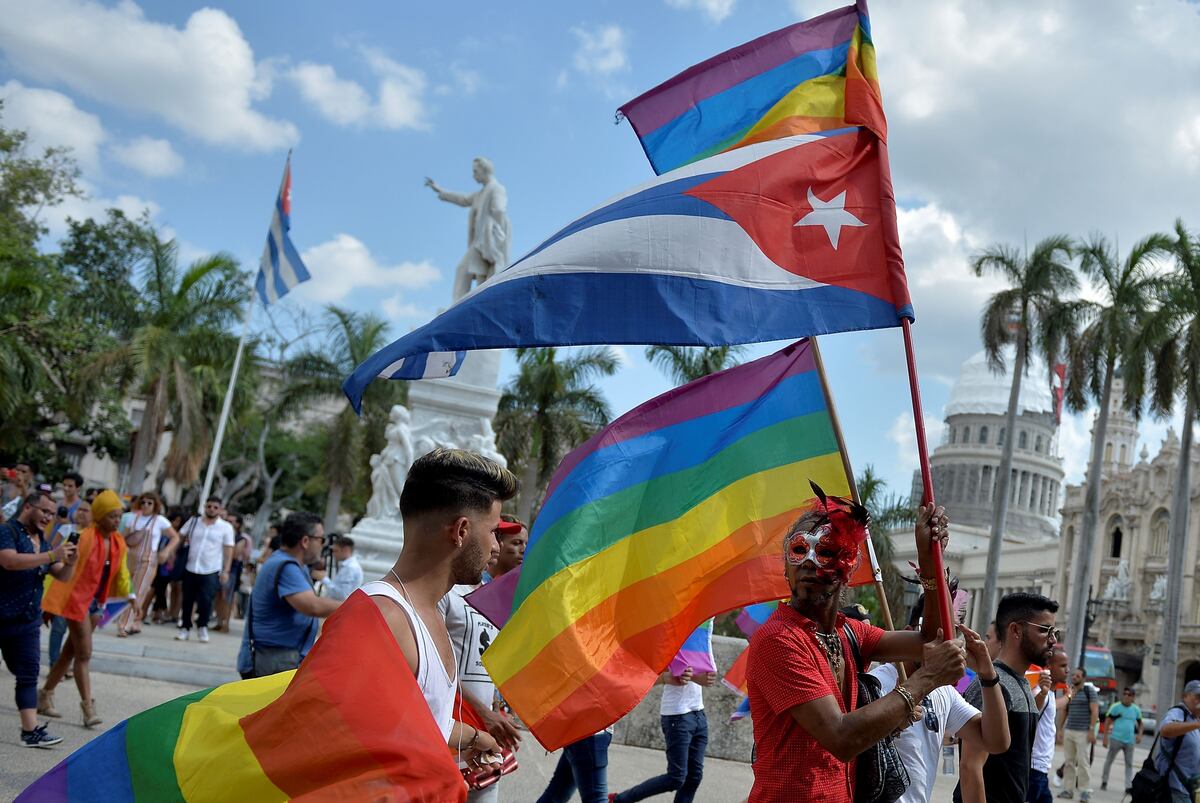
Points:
[[884, 609], [935, 547], [237, 364]]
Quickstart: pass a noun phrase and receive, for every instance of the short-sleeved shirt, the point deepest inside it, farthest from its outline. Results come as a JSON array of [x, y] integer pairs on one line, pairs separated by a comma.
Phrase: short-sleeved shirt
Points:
[[683, 699], [206, 545], [1006, 775], [1185, 749], [154, 526], [787, 668], [920, 745], [275, 622], [470, 634], [1043, 740], [1124, 722], [21, 589], [1079, 709]]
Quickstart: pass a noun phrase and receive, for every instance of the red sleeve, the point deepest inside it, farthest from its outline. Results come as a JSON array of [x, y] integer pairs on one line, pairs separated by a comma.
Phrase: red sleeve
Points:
[[868, 638], [783, 670]]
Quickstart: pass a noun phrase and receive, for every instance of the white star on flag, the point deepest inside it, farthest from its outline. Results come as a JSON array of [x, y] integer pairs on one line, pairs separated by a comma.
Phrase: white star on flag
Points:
[[831, 215]]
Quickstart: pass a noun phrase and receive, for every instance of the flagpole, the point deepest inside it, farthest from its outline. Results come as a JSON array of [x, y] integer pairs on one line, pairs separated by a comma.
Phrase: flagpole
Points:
[[935, 546], [884, 608], [237, 364]]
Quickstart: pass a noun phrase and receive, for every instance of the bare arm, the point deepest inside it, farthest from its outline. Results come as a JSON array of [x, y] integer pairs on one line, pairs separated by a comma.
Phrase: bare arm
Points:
[[228, 552], [402, 631], [991, 728], [970, 772], [172, 545], [308, 603], [14, 561], [1094, 717], [1173, 729]]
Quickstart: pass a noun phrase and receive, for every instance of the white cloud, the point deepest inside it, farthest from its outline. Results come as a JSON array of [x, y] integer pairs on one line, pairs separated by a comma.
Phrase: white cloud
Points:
[[395, 307], [602, 50], [904, 435], [201, 78], [149, 156], [93, 205], [401, 93], [463, 81], [715, 10], [344, 263], [53, 120]]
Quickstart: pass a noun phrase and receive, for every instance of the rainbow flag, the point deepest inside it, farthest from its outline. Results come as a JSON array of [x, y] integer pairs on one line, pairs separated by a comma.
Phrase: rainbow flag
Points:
[[817, 75], [112, 609], [349, 724], [672, 514], [752, 616], [696, 652]]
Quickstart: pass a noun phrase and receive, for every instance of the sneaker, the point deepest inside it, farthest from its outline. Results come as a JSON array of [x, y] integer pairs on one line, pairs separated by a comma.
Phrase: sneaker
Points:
[[1103, 785], [182, 635], [38, 737], [1066, 794], [203, 635], [1085, 795]]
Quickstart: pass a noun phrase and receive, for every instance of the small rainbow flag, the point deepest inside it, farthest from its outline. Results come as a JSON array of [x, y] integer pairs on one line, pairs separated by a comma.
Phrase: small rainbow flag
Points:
[[329, 730], [112, 609], [696, 653], [672, 514], [752, 617], [817, 75]]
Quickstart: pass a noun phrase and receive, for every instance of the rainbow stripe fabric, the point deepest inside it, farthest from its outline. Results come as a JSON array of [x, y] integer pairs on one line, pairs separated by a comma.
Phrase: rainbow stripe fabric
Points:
[[695, 653], [332, 729], [817, 75], [669, 516]]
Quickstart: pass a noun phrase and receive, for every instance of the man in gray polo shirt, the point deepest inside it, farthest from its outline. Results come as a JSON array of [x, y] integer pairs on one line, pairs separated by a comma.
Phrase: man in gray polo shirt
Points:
[[1180, 732], [1079, 734]]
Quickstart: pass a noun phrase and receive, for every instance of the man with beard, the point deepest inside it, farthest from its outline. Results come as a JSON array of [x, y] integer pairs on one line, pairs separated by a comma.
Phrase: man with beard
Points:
[[450, 506], [802, 672], [1025, 627]]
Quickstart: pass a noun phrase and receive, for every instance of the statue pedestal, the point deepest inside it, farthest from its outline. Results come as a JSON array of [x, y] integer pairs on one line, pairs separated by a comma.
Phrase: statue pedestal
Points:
[[455, 412]]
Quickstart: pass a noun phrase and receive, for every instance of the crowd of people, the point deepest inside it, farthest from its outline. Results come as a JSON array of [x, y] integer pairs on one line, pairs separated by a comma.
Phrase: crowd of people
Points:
[[840, 709]]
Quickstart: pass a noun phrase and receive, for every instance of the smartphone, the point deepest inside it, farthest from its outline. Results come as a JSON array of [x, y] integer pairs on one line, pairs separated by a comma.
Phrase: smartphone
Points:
[[73, 538]]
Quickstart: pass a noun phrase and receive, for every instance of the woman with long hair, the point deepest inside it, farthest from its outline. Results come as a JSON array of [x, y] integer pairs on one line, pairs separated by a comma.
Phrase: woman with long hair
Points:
[[144, 536]]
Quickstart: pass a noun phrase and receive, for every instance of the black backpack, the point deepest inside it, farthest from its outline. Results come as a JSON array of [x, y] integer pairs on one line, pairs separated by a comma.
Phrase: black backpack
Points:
[[1150, 785], [880, 776]]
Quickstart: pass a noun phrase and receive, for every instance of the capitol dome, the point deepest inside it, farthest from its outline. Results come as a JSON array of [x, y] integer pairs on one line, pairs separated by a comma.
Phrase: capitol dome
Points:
[[980, 391]]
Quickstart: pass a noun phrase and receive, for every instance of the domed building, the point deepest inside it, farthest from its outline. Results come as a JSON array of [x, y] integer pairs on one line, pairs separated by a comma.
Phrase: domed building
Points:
[[965, 469]]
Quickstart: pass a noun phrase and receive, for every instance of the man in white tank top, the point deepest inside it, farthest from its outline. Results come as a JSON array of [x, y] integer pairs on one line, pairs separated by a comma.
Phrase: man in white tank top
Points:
[[450, 506]]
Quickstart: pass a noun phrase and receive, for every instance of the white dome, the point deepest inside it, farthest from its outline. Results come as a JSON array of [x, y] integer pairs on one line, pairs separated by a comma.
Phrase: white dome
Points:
[[980, 391]]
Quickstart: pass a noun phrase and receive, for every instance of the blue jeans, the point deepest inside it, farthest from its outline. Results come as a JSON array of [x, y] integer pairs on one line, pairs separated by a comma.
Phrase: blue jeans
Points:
[[58, 632], [583, 765], [687, 739], [1039, 788], [21, 647]]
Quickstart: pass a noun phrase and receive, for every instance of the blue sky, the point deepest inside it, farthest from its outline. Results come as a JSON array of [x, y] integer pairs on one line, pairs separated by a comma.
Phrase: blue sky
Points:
[[1007, 123]]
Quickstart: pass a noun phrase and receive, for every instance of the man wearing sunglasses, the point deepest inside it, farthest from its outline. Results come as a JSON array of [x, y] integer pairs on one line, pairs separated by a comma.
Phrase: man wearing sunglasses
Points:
[[1083, 712], [1025, 628]]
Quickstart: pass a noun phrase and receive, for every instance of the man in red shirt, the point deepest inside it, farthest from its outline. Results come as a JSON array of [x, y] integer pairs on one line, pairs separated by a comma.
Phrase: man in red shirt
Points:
[[802, 673]]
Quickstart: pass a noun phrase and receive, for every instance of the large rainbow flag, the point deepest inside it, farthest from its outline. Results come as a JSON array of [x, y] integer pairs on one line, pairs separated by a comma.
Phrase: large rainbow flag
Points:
[[349, 724], [672, 514], [817, 75]]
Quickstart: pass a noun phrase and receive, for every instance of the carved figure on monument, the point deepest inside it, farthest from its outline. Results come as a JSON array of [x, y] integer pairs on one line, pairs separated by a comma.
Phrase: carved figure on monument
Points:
[[1119, 584], [398, 455], [488, 229], [1159, 592], [385, 496], [485, 443]]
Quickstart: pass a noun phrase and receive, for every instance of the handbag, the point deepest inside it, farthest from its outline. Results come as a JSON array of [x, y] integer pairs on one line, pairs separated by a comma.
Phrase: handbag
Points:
[[880, 776], [273, 660], [1152, 786]]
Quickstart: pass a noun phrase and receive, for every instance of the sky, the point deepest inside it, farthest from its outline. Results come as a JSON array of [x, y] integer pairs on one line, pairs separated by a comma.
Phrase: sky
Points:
[[1007, 123]]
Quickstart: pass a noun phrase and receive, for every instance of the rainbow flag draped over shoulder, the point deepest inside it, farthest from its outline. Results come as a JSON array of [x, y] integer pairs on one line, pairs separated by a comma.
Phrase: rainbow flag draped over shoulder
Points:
[[817, 75], [349, 724], [672, 514]]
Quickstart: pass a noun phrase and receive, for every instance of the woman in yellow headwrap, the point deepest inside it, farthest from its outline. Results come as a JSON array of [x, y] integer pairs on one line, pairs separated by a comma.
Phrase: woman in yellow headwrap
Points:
[[100, 572]]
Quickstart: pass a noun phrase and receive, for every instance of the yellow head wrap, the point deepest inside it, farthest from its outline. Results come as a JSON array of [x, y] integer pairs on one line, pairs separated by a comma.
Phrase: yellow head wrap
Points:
[[104, 503]]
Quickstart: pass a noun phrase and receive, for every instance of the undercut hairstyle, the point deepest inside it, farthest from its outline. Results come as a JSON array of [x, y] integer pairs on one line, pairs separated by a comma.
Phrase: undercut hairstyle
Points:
[[216, 499], [296, 526], [76, 476], [454, 482], [1019, 606]]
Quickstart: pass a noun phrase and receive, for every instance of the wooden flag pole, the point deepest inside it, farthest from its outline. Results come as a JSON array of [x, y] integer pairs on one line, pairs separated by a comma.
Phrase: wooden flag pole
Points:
[[884, 609], [935, 548]]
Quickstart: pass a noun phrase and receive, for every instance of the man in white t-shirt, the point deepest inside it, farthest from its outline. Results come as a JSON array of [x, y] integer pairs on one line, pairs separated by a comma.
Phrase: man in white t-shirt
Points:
[[1042, 758], [210, 554], [947, 714]]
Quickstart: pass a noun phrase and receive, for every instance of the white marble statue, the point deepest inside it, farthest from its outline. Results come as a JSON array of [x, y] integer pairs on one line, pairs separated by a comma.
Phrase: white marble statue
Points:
[[385, 496], [1159, 592], [485, 443], [397, 456], [1119, 584], [488, 232]]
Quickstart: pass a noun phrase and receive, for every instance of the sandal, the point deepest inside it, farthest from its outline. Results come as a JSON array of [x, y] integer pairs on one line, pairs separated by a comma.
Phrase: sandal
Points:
[[122, 633]]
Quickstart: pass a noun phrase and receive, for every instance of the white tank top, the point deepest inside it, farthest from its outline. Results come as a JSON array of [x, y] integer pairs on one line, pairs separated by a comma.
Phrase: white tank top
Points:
[[437, 687]]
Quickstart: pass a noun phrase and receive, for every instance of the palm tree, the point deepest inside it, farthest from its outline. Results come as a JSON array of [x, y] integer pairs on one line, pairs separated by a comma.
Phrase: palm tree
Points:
[[1170, 340], [1126, 289], [1032, 314], [547, 409], [316, 374], [177, 355], [685, 364]]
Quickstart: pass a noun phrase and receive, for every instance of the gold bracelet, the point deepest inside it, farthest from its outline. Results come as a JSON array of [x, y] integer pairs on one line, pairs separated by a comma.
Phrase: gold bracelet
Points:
[[909, 700], [928, 583]]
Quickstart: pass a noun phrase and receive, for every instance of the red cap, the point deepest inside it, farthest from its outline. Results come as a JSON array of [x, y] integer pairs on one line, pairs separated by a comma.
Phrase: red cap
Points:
[[509, 527]]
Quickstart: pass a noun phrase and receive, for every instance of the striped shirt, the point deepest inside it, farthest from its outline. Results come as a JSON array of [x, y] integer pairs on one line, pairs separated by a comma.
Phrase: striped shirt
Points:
[[1079, 709]]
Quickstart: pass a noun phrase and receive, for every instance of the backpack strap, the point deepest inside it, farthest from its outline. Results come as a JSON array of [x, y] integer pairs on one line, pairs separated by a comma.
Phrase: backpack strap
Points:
[[275, 591]]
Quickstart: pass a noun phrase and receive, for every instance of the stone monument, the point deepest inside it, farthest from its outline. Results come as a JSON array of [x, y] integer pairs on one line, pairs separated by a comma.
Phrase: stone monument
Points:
[[1119, 584], [455, 412]]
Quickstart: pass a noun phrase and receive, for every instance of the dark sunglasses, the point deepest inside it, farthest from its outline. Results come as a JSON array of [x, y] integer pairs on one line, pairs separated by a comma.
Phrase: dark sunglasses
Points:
[[1049, 631]]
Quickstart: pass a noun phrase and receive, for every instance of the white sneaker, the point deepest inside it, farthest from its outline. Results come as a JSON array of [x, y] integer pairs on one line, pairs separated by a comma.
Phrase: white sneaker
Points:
[[182, 635], [203, 635]]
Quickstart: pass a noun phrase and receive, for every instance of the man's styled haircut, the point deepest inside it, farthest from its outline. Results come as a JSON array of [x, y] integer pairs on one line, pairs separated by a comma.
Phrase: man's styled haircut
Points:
[[76, 476], [213, 498], [34, 497], [1130, 691], [296, 526], [455, 481], [1019, 606], [346, 541]]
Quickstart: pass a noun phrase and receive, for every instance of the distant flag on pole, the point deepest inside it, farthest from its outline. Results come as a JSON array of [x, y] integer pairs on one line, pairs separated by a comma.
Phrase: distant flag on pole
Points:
[[281, 268]]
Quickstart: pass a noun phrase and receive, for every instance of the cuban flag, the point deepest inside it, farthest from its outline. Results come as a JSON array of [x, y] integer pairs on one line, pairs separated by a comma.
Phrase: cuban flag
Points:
[[281, 268], [777, 240]]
